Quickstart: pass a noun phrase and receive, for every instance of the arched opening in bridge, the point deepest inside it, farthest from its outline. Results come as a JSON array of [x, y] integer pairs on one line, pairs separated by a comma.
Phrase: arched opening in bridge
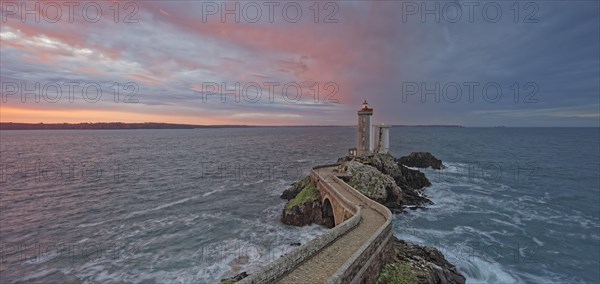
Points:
[[328, 219]]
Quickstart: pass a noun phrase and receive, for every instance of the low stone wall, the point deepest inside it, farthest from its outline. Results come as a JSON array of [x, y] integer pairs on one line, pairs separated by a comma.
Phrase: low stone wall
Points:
[[326, 166], [288, 262], [365, 264]]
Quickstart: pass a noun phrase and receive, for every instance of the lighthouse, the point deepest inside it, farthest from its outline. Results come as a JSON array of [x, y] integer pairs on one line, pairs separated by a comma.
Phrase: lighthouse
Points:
[[364, 130], [371, 138]]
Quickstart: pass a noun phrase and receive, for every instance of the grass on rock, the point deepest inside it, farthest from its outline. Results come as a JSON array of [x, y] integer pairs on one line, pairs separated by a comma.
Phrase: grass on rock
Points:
[[307, 194], [395, 273]]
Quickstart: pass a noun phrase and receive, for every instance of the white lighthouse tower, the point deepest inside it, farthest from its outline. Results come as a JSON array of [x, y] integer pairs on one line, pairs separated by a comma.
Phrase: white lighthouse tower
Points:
[[364, 130], [381, 138], [371, 139]]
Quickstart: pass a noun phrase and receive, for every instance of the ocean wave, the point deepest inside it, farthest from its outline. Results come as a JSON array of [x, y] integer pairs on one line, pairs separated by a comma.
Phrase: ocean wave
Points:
[[477, 270], [219, 189]]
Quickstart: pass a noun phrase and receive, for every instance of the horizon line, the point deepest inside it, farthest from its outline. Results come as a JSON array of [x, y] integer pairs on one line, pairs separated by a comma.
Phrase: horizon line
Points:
[[191, 126]]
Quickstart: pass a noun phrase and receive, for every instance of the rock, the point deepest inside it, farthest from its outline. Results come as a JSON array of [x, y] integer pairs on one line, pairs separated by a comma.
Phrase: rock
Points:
[[373, 183], [421, 160], [303, 214], [412, 183], [295, 244], [411, 178], [423, 264], [296, 187], [305, 207], [385, 163], [235, 278], [409, 181]]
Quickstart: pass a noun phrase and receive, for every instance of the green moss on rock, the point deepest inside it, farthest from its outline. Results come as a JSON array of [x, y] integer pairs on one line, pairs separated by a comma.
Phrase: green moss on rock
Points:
[[308, 193], [397, 273]]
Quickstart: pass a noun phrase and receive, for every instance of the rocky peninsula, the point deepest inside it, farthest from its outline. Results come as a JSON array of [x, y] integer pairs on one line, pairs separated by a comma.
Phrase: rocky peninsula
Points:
[[392, 183]]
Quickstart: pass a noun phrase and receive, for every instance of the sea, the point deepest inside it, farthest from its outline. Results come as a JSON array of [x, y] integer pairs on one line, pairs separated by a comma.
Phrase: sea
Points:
[[513, 205]]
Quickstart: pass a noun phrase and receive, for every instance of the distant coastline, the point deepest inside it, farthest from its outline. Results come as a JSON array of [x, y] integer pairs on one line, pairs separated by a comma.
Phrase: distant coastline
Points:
[[434, 125], [152, 125], [107, 126]]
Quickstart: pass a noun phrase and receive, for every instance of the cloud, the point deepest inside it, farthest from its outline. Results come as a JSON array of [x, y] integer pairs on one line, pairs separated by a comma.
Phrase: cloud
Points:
[[585, 111], [368, 54]]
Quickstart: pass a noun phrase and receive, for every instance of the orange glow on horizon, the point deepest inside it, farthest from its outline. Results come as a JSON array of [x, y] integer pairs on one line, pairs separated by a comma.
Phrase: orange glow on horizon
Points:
[[21, 115], [24, 115]]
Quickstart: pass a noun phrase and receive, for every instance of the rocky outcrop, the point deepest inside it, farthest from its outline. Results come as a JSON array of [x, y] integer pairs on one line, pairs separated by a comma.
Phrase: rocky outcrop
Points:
[[411, 178], [304, 207], [409, 182], [413, 184], [417, 264], [373, 183], [380, 177], [296, 187], [421, 160], [303, 214]]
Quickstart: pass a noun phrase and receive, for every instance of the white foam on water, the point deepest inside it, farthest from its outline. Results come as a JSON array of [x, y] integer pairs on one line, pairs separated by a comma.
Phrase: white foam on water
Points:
[[277, 187], [454, 167], [413, 168], [454, 194], [253, 183], [140, 212], [509, 224], [219, 189], [160, 207], [477, 270], [538, 242], [37, 275], [90, 224], [410, 238], [233, 256]]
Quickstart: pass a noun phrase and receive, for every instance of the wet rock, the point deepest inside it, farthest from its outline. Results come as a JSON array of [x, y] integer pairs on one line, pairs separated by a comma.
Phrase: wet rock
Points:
[[426, 265], [413, 183], [411, 178], [234, 278], [421, 160]]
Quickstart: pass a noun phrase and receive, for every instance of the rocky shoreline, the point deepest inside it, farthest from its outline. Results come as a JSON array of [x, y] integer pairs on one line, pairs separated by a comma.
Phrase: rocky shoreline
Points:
[[390, 182]]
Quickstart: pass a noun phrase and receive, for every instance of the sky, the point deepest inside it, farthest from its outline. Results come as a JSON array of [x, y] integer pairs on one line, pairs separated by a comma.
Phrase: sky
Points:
[[471, 63]]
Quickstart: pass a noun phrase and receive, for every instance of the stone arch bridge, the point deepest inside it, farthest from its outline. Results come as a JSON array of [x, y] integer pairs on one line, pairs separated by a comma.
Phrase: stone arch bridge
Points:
[[350, 252]]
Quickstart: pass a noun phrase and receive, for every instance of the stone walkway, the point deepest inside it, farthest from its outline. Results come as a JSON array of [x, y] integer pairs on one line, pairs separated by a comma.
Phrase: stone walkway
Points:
[[324, 264]]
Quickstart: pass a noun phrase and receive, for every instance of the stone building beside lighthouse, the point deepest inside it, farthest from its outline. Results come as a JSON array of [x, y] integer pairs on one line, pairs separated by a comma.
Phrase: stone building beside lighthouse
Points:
[[371, 138]]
